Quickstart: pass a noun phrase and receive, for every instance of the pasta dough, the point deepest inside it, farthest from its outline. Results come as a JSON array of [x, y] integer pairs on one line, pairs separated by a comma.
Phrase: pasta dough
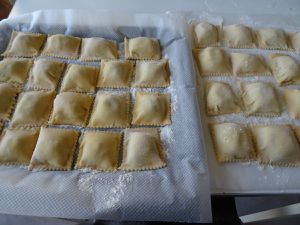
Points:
[[71, 109], [24, 44], [59, 45], [14, 70], [45, 74], [99, 150], [295, 41], [260, 99], [152, 74], [286, 70], [232, 142], [276, 145], [110, 110], [96, 48], [206, 34], [142, 48], [80, 79], [220, 99], [16, 146], [270, 38], [151, 109], [297, 132], [248, 65], [115, 74], [292, 98], [54, 149], [142, 150], [33, 108], [237, 36], [8, 93], [213, 61]]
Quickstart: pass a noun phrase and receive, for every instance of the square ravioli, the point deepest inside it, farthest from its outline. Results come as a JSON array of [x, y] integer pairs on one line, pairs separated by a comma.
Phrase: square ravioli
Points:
[[115, 74], [45, 74], [62, 46], [292, 99], [260, 99], [237, 36], [270, 38], [213, 61], [14, 70], [295, 41], [33, 108], [232, 142], [142, 48], [8, 94], [17, 145], [71, 109], [206, 34], [24, 44], [142, 150], [151, 109], [220, 99], [99, 150], [276, 145], [152, 74], [96, 48], [54, 149], [286, 70], [248, 65], [78, 78], [110, 110]]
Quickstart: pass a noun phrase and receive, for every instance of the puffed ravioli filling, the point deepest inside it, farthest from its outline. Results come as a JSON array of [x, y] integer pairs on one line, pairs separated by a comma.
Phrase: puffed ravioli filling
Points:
[[142, 150], [220, 99], [78, 78], [99, 151], [292, 99], [17, 145], [97, 48], [110, 110], [238, 36], [142, 48], [8, 94], [151, 109], [232, 142], [206, 34], [270, 38], [71, 109], [115, 73], [260, 99], [152, 74], [24, 44], [276, 145], [54, 149]]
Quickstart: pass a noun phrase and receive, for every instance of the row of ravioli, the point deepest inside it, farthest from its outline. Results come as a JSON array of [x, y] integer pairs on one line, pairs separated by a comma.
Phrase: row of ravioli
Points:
[[105, 110], [48, 148], [25, 44], [254, 99], [277, 145], [240, 36], [45, 74], [214, 61]]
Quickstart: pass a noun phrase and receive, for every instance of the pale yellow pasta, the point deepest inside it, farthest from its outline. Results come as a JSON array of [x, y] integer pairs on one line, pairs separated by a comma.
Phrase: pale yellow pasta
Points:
[[17, 145], [292, 99], [237, 36], [8, 94], [142, 48], [286, 70], [78, 78], [99, 151], [206, 34], [142, 150], [295, 41], [96, 48], [33, 108], [110, 110], [232, 142], [54, 149], [45, 74], [220, 99], [276, 145], [24, 44], [151, 109], [270, 38]]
